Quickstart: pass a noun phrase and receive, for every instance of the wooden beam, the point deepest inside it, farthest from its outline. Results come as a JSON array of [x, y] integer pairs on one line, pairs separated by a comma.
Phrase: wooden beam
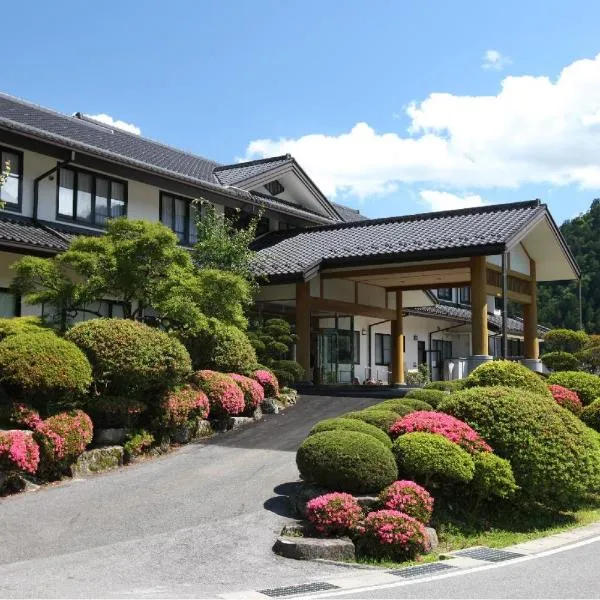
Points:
[[303, 304], [511, 273], [398, 343], [479, 331], [399, 270], [428, 286], [493, 290], [530, 320], [350, 308]]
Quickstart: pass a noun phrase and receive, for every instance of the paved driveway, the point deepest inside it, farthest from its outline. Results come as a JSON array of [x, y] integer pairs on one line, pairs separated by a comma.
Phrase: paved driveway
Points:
[[198, 522]]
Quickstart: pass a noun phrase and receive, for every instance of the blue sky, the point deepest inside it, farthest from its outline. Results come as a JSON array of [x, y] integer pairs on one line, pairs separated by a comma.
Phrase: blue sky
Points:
[[390, 106]]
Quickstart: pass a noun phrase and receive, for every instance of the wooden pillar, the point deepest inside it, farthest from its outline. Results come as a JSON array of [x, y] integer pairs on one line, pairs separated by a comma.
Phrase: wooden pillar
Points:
[[479, 329], [398, 343], [303, 327], [530, 319]]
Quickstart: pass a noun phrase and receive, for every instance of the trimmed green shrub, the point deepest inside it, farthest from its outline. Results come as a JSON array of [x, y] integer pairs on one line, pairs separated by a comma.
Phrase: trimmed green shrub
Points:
[[18, 325], [446, 386], [586, 385], [591, 415], [554, 456], [346, 461], [287, 371], [431, 458], [565, 340], [493, 477], [352, 425], [561, 361], [129, 358], [383, 419], [509, 374], [431, 396], [43, 369], [417, 404], [216, 346], [398, 405]]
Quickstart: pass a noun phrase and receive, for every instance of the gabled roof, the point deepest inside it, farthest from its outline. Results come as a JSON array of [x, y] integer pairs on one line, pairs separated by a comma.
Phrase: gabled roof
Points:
[[349, 214], [236, 173], [482, 230]]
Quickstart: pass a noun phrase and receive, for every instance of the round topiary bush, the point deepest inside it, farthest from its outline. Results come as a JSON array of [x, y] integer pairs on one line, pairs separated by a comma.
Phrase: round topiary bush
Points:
[[224, 395], [554, 456], [287, 371], [182, 405], [252, 390], [43, 369], [431, 396], [398, 405], [129, 358], [115, 411], [217, 346], [432, 458], [493, 477], [18, 451], [268, 381], [409, 498], [417, 404], [392, 535], [566, 398], [446, 386], [352, 425], [17, 325], [509, 374], [383, 419], [334, 514], [561, 361], [590, 415], [586, 385], [565, 340], [435, 422], [346, 461]]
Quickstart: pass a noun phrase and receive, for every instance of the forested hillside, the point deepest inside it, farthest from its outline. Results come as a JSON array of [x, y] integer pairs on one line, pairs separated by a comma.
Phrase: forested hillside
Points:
[[559, 303]]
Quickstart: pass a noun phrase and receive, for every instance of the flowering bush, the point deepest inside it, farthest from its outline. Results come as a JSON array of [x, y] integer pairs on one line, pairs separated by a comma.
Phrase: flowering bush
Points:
[[434, 422], [586, 385], [409, 498], [18, 451], [393, 535], [182, 405], [566, 398], [224, 395], [115, 411], [252, 390], [268, 381], [334, 514]]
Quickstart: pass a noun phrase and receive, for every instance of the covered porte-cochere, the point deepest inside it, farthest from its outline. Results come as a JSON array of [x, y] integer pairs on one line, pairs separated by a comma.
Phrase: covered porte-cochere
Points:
[[338, 282]]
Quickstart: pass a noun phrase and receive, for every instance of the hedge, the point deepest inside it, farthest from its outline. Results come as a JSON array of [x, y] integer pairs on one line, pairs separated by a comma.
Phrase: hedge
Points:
[[509, 374], [591, 415], [493, 477], [17, 325], [431, 396], [446, 386], [346, 461], [352, 425], [554, 456], [586, 385], [400, 406], [383, 419]]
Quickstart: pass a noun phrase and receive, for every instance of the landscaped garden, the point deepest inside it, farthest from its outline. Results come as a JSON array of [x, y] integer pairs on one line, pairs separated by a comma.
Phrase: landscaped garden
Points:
[[503, 456]]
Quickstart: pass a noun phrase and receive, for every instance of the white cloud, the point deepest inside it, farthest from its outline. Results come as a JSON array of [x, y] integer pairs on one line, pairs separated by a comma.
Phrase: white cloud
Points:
[[446, 201], [535, 130], [492, 59], [108, 120]]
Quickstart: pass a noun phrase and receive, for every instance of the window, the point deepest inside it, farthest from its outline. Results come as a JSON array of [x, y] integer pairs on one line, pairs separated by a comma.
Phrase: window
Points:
[[88, 198], [12, 190], [180, 215], [356, 348], [383, 348], [465, 295], [444, 293], [274, 188], [241, 220], [10, 304]]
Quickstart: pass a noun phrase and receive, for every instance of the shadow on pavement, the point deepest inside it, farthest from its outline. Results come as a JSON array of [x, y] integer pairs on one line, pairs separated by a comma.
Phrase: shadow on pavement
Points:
[[280, 504]]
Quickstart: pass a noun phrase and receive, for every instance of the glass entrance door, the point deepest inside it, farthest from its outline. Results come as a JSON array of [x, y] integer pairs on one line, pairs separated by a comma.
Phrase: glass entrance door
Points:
[[335, 351]]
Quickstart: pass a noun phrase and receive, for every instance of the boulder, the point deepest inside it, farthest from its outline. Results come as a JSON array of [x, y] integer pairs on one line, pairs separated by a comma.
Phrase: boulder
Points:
[[433, 538], [203, 429], [97, 461], [302, 548], [239, 422], [299, 499], [110, 437], [182, 434], [368, 503], [270, 406], [257, 415]]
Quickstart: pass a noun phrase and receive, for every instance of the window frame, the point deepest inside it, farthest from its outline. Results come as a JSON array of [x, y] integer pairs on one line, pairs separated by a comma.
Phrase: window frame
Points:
[[440, 297], [379, 338], [188, 215], [18, 207], [356, 347], [464, 292], [94, 175]]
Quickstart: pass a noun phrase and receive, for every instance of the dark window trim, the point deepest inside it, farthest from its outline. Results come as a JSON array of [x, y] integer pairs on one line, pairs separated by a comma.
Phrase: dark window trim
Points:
[[188, 215], [18, 207], [93, 174], [356, 346]]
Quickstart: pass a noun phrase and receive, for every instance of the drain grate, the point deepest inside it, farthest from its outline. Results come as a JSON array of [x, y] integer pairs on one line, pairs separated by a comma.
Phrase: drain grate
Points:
[[421, 570], [318, 586], [488, 554]]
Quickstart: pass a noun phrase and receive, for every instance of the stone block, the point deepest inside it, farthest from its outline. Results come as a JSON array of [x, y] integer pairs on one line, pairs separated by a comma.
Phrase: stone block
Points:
[[239, 422], [302, 548], [203, 429], [97, 461], [110, 437], [257, 415], [270, 406], [368, 503], [433, 537]]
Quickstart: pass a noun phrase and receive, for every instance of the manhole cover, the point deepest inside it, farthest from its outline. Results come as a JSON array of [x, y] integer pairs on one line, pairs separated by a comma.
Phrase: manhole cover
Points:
[[319, 586], [421, 570], [488, 554]]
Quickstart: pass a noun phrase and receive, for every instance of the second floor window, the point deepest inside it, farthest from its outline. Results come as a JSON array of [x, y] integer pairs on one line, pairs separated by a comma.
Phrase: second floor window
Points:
[[11, 191], [179, 214], [465, 295], [88, 198], [444, 293]]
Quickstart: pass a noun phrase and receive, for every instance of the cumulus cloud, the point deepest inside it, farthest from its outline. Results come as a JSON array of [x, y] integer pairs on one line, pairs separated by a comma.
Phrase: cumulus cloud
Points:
[[108, 120], [437, 200], [494, 60], [534, 130]]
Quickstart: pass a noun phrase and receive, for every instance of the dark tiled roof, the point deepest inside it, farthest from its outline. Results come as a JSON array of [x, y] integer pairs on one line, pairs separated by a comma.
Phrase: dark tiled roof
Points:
[[22, 231], [397, 238], [349, 214], [514, 325], [233, 174]]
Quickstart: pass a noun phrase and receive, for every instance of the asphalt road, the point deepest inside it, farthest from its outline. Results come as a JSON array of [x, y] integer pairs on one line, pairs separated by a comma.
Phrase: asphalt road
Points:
[[569, 573], [196, 523]]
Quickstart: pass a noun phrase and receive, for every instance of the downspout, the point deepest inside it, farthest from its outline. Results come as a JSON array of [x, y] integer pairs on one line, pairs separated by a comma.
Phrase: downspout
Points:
[[36, 182]]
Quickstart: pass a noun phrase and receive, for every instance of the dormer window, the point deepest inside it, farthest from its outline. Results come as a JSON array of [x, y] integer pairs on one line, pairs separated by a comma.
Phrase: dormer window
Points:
[[274, 188]]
